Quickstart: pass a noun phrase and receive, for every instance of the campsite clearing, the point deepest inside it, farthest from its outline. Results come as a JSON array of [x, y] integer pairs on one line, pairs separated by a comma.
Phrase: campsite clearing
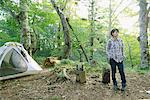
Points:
[[47, 86]]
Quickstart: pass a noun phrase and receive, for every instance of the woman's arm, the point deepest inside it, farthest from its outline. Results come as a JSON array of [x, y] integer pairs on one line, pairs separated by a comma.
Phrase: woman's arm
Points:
[[108, 49]]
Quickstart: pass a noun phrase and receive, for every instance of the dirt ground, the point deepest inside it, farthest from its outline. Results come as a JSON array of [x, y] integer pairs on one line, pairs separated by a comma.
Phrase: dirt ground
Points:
[[47, 86]]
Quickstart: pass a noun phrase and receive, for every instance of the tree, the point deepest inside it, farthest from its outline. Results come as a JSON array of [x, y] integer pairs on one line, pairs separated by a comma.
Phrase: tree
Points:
[[20, 14], [25, 34], [143, 38], [67, 38], [110, 19], [92, 15]]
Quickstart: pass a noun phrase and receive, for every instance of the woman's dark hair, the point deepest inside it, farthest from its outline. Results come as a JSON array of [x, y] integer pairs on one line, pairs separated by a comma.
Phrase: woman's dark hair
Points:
[[114, 30]]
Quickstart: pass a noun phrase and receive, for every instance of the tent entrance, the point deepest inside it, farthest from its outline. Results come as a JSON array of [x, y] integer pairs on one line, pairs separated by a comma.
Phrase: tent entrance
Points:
[[12, 63]]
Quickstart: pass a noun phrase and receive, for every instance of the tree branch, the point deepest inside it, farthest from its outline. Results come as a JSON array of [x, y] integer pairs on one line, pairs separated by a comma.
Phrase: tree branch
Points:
[[117, 7], [119, 13], [64, 5], [77, 40]]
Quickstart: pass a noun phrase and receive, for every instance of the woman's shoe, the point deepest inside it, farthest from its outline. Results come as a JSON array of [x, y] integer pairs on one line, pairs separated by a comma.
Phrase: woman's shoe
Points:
[[123, 88], [116, 88]]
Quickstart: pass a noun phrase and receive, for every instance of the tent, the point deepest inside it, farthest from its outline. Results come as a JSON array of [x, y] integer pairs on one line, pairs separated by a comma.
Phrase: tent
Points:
[[16, 62]]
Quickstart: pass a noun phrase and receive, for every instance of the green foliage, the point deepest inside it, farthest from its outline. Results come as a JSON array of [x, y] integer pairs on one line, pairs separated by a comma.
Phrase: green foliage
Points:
[[9, 31], [81, 29], [67, 61], [46, 24], [135, 50], [138, 69], [9, 28], [39, 59], [130, 12], [143, 71], [90, 69]]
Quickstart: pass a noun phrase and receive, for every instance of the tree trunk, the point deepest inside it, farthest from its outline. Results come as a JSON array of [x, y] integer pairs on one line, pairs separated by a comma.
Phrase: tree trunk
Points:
[[110, 20], [91, 44], [92, 26], [143, 22], [129, 47], [34, 37], [34, 41], [59, 40], [81, 47], [25, 34], [67, 38]]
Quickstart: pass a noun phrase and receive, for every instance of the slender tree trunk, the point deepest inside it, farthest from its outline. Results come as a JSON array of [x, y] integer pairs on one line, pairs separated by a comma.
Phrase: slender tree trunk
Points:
[[129, 47], [34, 41], [34, 37], [92, 26], [143, 21], [67, 38], [58, 38], [110, 20], [130, 50], [25, 34], [91, 44], [81, 47]]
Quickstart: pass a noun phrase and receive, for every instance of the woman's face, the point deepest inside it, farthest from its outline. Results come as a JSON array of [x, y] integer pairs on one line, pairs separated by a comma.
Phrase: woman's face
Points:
[[115, 34]]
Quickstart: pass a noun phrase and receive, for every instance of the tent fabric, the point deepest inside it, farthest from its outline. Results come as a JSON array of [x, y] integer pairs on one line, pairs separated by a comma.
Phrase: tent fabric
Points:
[[15, 61]]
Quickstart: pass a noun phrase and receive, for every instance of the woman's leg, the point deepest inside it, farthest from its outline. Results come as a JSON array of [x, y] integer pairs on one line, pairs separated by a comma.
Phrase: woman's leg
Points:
[[122, 74], [113, 69]]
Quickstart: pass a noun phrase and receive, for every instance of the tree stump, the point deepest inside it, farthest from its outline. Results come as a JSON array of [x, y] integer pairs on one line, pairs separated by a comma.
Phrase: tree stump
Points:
[[80, 74], [62, 76], [106, 76]]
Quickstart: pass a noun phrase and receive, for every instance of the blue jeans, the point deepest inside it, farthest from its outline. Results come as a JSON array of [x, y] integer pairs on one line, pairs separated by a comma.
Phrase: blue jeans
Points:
[[120, 65]]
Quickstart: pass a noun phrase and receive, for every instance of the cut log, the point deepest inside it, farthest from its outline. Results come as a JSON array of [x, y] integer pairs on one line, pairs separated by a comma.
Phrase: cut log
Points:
[[80, 77], [80, 74], [51, 61]]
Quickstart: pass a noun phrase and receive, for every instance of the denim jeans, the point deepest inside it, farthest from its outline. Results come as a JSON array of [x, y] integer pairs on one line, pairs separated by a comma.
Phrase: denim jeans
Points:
[[120, 65]]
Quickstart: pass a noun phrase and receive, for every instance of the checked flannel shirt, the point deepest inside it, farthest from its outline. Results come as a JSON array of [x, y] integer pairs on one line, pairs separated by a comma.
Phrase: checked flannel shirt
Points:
[[114, 49]]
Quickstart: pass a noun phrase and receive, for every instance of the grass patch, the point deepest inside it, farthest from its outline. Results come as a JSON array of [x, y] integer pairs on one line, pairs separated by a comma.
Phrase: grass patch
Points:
[[55, 98], [67, 61], [139, 70]]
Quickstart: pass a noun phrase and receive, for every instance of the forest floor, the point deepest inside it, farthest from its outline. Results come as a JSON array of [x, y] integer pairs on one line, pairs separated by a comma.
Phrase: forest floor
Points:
[[47, 86]]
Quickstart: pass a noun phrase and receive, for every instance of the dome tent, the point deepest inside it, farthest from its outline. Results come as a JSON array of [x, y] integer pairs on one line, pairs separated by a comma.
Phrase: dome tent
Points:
[[16, 62]]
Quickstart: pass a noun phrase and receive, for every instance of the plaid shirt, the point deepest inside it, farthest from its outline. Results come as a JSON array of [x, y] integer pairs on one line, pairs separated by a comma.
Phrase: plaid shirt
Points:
[[114, 49]]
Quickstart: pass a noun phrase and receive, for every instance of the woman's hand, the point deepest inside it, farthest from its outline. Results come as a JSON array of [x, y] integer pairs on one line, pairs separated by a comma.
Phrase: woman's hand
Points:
[[108, 59]]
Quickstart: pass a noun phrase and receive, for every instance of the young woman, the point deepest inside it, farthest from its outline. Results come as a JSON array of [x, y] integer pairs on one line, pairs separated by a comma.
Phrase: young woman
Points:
[[115, 55]]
